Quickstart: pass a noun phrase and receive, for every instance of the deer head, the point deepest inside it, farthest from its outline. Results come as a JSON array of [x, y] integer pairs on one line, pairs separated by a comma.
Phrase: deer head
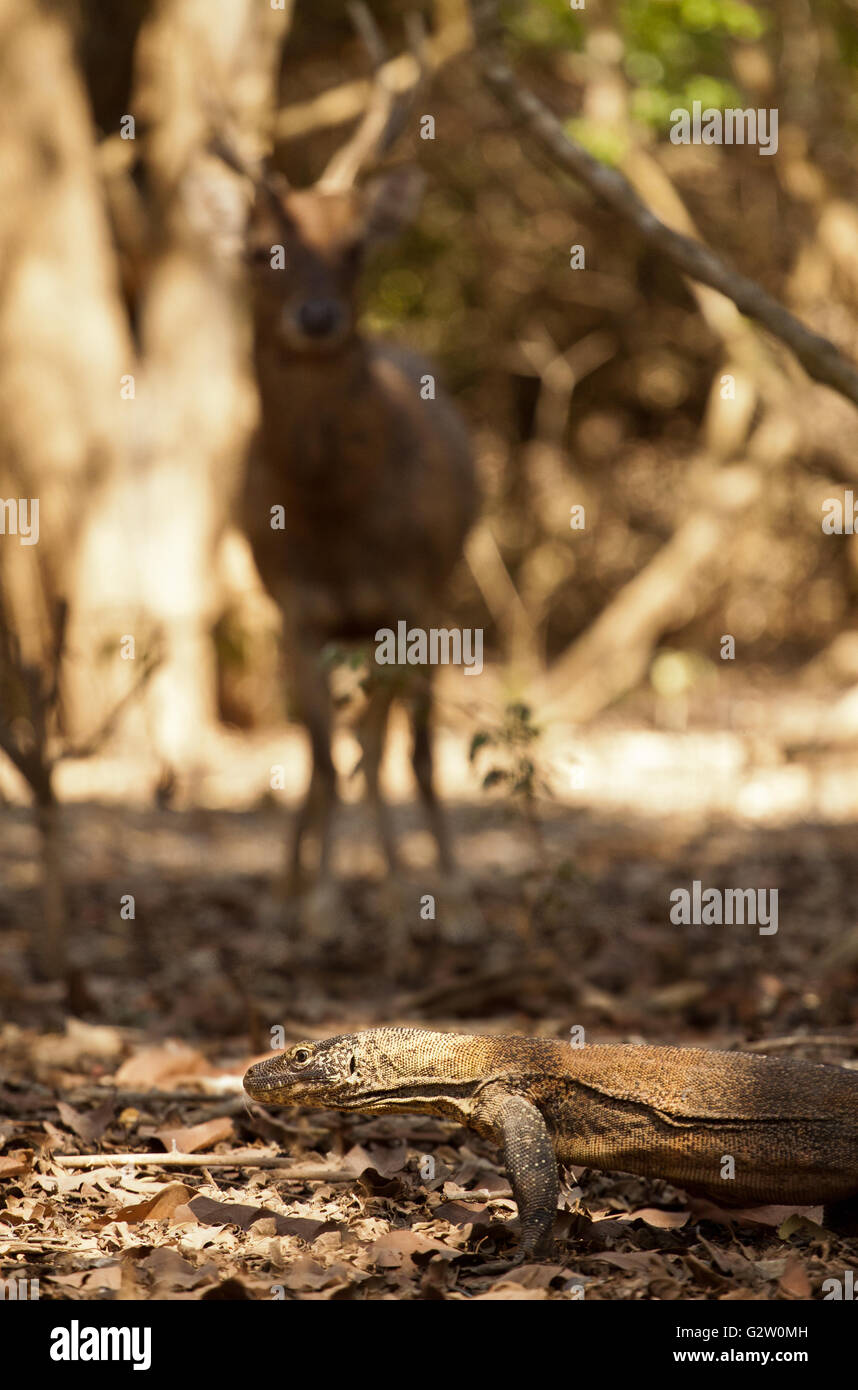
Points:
[[306, 247], [307, 295]]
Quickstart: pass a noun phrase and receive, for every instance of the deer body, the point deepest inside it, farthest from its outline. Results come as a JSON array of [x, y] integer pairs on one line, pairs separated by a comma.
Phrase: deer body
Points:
[[376, 486], [375, 483]]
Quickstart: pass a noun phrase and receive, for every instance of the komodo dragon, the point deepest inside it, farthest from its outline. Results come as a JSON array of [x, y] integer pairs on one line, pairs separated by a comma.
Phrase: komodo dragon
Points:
[[678, 1113]]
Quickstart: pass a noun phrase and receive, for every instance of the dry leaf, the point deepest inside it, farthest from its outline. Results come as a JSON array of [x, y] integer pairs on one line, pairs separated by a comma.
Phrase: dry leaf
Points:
[[89, 1126], [171, 1271], [395, 1249], [657, 1217], [153, 1066], [460, 1214], [156, 1208], [703, 1209], [193, 1139], [794, 1281], [507, 1292], [533, 1276], [16, 1163], [212, 1213]]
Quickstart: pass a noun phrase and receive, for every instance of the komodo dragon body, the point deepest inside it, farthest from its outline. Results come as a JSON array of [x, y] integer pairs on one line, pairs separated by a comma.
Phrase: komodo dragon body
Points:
[[680, 1113]]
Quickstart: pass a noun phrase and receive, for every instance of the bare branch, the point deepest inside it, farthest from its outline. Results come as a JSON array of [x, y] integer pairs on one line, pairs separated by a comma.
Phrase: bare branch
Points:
[[385, 116], [92, 745], [820, 358], [337, 105], [372, 37], [239, 1158]]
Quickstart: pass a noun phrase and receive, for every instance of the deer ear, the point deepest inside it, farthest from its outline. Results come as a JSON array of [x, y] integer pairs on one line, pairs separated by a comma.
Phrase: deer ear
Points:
[[391, 201]]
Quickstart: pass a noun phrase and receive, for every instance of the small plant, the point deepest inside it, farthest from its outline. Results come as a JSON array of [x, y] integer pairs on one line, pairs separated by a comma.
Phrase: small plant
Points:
[[348, 668], [353, 670], [511, 748]]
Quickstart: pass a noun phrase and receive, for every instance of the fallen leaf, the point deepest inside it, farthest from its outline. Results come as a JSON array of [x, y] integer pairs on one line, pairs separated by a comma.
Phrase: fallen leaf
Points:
[[193, 1139], [705, 1274], [156, 1208], [230, 1289], [727, 1261], [656, 1216], [460, 1214], [89, 1125], [79, 1040], [154, 1065], [794, 1281], [802, 1225], [16, 1163], [212, 1213], [703, 1209], [171, 1271], [393, 1250], [507, 1292], [375, 1184], [389, 1159], [533, 1276], [28, 1208], [107, 1277], [356, 1161], [640, 1262], [306, 1273]]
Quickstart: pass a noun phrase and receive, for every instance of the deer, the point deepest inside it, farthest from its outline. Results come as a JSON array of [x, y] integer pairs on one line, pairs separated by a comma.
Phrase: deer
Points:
[[373, 486]]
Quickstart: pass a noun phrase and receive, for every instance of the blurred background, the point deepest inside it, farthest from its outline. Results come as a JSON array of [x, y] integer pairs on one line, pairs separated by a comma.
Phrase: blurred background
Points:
[[654, 468]]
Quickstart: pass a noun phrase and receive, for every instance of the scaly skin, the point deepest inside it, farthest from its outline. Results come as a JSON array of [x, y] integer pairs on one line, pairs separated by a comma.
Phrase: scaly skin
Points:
[[678, 1113]]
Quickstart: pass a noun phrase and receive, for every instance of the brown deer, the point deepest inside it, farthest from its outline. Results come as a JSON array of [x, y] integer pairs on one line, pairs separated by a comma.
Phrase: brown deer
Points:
[[372, 486]]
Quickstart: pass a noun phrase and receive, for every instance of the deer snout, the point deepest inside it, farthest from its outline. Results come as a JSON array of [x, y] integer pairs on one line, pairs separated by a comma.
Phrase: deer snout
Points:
[[321, 318]]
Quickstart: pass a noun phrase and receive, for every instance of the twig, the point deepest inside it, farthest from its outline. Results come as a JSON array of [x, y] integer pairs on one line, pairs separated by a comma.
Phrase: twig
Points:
[[337, 105], [475, 1194], [92, 745], [122, 1094], [385, 115], [241, 1158]]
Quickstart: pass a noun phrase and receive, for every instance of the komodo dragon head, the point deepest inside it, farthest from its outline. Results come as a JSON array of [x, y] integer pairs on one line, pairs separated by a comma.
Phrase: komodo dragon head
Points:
[[382, 1070]]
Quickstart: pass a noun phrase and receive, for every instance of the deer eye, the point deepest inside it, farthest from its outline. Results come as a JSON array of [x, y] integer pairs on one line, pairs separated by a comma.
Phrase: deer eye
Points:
[[259, 255], [301, 1056]]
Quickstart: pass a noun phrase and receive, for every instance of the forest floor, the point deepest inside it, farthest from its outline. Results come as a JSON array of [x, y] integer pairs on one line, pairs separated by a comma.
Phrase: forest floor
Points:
[[142, 1047]]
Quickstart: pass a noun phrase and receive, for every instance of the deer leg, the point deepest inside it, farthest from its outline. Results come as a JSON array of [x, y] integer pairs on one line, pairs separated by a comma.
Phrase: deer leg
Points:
[[372, 732], [460, 920], [313, 700], [422, 762]]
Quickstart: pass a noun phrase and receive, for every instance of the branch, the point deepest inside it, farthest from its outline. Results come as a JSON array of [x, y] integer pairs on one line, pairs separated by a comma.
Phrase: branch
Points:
[[820, 358], [337, 105], [92, 745], [384, 117], [239, 1158]]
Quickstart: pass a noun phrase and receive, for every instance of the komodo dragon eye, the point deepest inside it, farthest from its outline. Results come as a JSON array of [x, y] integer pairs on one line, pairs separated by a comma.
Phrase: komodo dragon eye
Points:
[[301, 1056]]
